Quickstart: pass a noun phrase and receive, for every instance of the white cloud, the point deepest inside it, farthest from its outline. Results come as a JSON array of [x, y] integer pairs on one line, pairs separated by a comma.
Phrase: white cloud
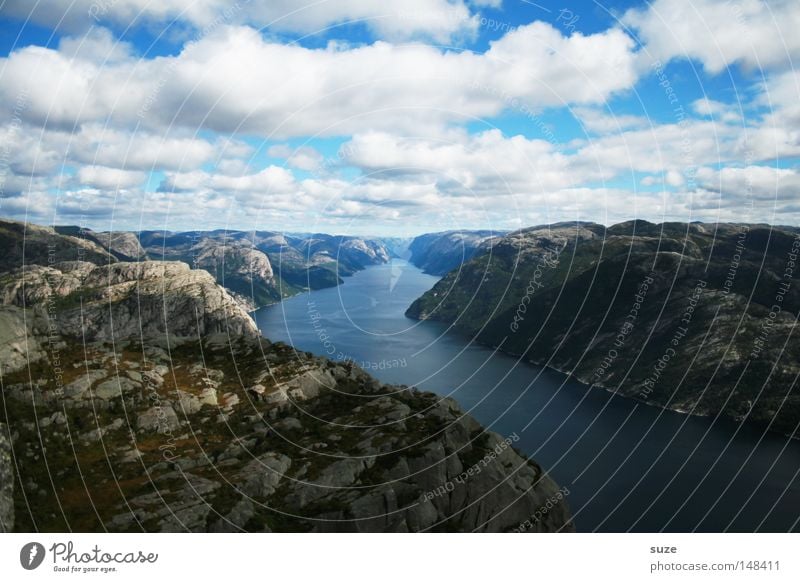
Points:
[[755, 33], [438, 20], [603, 121], [716, 109], [109, 178], [36, 151], [233, 80], [302, 158], [752, 183]]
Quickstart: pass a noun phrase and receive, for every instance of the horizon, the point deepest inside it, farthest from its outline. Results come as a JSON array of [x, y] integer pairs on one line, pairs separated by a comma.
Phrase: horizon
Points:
[[373, 235]]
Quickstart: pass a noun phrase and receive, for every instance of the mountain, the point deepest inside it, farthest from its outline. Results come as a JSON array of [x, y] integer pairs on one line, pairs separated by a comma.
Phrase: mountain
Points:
[[698, 318], [262, 267], [397, 246], [139, 396], [29, 244], [122, 245], [258, 267], [440, 252]]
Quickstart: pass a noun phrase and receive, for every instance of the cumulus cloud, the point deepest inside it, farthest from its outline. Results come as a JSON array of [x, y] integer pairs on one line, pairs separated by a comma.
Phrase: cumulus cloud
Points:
[[109, 178], [754, 33], [302, 158], [438, 20], [234, 80]]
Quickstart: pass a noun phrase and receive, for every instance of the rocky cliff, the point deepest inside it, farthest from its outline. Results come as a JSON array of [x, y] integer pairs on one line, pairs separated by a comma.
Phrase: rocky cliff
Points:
[[6, 482], [438, 253], [125, 245], [149, 299], [28, 244], [262, 267], [697, 318]]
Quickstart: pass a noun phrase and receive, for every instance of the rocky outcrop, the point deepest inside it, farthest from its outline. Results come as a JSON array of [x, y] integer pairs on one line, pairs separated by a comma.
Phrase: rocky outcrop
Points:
[[438, 253], [26, 244], [18, 345], [125, 245], [262, 267], [125, 300], [202, 445], [693, 317], [6, 482], [243, 270]]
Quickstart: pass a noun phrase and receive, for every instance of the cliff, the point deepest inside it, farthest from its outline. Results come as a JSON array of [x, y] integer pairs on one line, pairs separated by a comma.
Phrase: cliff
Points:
[[441, 252], [123, 300], [695, 318]]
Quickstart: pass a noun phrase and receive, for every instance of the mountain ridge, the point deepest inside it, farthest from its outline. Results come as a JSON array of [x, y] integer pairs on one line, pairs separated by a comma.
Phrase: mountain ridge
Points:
[[567, 296]]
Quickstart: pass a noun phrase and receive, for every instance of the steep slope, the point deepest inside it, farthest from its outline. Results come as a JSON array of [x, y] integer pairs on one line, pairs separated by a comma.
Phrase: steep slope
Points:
[[256, 437], [697, 318], [441, 252], [123, 245], [261, 267], [149, 299], [29, 244], [244, 271]]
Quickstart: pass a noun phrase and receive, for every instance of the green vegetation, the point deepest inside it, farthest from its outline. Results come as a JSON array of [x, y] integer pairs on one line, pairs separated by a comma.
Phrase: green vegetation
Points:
[[709, 298]]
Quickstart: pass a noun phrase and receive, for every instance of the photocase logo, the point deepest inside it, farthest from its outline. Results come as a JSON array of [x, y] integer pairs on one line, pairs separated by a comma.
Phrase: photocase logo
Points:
[[31, 555]]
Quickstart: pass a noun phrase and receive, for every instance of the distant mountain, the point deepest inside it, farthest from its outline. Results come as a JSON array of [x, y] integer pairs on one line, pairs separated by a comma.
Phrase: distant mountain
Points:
[[257, 267], [440, 252], [262, 267], [397, 246], [700, 318]]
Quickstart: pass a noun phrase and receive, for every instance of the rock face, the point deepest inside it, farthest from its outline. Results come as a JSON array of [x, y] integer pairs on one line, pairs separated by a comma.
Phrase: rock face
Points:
[[262, 267], [126, 300], [124, 244], [6, 483], [18, 346], [240, 268], [338, 451], [697, 318], [441, 252], [26, 244]]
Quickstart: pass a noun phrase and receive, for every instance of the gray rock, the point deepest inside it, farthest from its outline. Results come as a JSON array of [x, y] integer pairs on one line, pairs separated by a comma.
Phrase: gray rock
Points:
[[262, 475], [115, 387], [188, 403], [6, 483], [18, 346], [78, 389], [161, 419]]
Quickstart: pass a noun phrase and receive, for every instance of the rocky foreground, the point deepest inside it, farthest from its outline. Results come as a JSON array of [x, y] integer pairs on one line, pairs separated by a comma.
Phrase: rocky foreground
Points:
[[141, 397], [698, 318]]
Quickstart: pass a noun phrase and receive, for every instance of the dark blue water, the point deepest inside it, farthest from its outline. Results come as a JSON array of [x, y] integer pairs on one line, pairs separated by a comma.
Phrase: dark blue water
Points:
[[627, 466]]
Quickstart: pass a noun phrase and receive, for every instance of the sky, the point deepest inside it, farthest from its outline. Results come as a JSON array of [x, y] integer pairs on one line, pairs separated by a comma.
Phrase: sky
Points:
[[397, 117]]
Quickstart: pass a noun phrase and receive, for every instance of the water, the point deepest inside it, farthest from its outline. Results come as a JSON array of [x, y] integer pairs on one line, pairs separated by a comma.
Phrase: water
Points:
[[628, 466]]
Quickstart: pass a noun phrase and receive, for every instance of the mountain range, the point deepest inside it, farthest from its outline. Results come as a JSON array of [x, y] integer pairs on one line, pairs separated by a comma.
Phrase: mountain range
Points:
[[698, 318]]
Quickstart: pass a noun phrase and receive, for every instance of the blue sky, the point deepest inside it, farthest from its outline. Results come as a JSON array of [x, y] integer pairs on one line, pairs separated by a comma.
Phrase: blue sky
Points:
[[397, 117]]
